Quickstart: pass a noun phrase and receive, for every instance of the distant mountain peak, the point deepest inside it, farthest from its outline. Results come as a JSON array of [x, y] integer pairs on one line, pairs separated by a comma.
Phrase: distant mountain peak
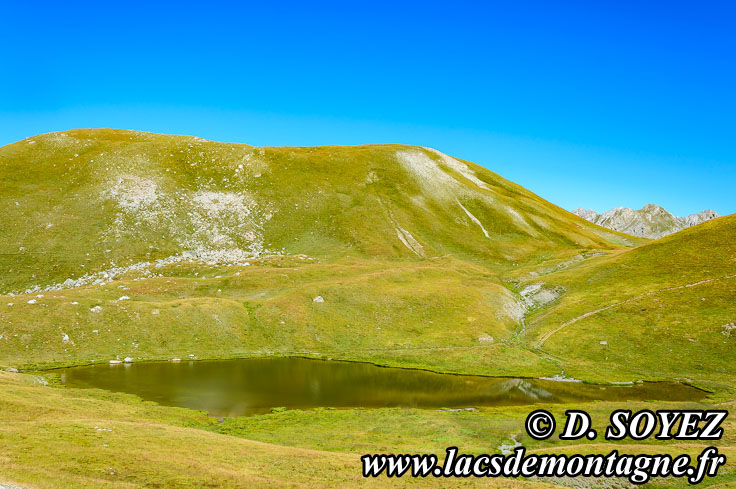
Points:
[[651, 221]]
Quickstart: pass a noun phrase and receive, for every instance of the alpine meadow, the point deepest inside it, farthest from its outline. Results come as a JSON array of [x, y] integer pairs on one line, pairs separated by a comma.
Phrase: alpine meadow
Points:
[[130, 247]]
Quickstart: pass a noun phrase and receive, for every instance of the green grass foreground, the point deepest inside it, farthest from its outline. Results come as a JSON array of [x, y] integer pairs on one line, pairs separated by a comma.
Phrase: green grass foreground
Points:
[[53, 437]]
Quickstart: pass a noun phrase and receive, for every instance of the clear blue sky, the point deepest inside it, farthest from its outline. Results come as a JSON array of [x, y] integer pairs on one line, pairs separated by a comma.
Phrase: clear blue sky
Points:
[[593, 104]]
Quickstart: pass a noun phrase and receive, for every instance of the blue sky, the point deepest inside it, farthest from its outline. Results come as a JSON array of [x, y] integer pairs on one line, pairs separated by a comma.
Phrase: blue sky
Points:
[[593, 104]]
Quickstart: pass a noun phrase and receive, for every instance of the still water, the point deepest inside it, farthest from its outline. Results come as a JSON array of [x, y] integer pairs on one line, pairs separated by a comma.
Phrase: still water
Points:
[[251, 386]]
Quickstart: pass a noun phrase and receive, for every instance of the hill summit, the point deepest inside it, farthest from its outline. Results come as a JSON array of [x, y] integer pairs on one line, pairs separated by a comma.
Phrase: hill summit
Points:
[[155, 246], [88, 204]]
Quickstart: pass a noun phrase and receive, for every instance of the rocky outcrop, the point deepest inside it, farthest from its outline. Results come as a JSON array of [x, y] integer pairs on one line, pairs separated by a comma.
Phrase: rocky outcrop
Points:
[[702, 216], [651, 221]]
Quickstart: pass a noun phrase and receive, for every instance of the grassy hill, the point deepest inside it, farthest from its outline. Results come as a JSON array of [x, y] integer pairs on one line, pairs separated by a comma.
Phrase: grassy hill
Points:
[[82, 201], [121, 243], [663, 310]]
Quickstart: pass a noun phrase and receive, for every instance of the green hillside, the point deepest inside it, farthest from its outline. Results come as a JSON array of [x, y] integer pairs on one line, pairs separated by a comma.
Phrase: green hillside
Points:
[[127, 244], [83, 201], [220, 250], [118, 244], [663, 310]]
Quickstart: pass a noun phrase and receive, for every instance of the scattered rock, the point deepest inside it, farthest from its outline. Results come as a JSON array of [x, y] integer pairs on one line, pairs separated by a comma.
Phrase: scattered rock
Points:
[[32, 301], [560, 378], [485, 339], [127, 359], [115, 362], [508, 449], [40, 380], [319, 298], [96, 309], [729, 329]]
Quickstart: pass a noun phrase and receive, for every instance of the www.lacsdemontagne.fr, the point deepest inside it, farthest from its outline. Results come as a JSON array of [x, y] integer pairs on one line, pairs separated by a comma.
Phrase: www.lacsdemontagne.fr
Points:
[[638, 469]]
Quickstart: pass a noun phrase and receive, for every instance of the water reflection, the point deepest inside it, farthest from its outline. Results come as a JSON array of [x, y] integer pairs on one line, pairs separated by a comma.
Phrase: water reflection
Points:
[[237, 387]]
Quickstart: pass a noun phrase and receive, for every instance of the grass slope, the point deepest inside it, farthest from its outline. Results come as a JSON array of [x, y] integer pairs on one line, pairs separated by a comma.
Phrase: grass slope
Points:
[[156, 246], [85, 200], [661, 310], [121, 243]]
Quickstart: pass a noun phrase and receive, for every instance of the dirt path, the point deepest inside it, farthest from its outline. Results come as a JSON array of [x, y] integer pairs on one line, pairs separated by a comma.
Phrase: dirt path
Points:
[[547, 335]]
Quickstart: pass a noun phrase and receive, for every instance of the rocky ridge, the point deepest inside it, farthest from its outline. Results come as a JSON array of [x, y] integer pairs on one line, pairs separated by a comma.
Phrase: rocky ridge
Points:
[[651, 221]]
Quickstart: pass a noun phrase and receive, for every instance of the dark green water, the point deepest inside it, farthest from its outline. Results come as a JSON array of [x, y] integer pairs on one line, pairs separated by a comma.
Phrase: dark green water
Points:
[[239, 387]]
